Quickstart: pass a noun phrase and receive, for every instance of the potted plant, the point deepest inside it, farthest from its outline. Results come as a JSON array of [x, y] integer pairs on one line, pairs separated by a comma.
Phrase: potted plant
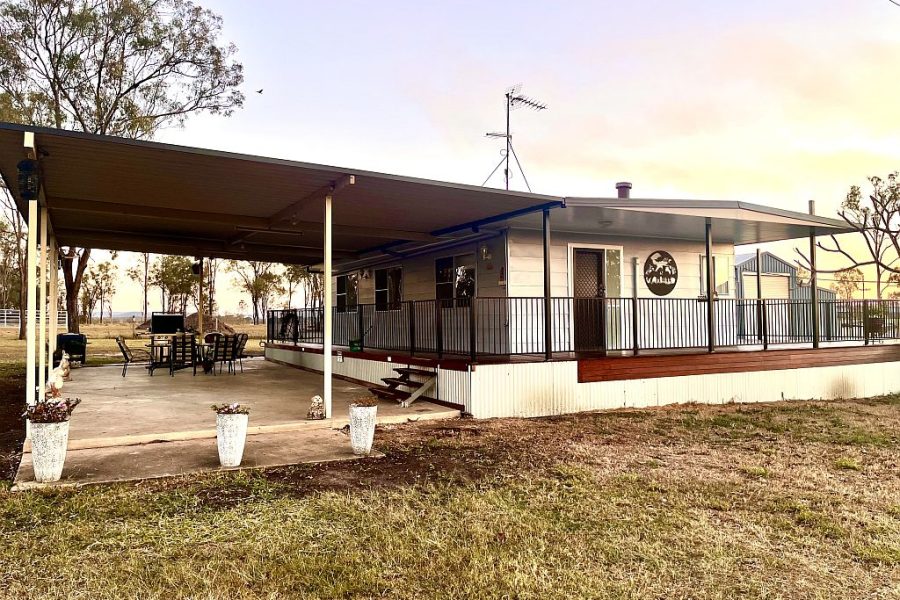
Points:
[[362, 424], [49, 425], [231, 432]]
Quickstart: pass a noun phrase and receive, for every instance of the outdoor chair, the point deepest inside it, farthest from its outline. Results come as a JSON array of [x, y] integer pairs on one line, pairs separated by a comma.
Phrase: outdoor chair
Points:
[[128, 354], [240, 346], [183, 354], [220, 353]]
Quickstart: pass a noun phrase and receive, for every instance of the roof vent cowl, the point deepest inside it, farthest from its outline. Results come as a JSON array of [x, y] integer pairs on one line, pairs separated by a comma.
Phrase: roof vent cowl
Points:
[[624, 188]]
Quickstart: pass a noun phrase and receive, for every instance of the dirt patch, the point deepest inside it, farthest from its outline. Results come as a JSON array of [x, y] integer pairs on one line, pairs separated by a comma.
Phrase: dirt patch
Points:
[[688, 441], [12, 425]]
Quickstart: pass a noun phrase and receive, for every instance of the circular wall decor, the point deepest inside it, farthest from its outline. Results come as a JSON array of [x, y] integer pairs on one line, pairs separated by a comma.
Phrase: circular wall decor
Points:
[[660, 273]]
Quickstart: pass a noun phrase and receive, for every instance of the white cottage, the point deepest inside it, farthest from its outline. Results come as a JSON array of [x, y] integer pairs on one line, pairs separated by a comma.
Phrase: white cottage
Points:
[[497, 302]]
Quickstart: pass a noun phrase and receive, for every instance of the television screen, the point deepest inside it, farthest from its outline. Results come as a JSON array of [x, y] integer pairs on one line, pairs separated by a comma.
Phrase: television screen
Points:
[[166, 323]]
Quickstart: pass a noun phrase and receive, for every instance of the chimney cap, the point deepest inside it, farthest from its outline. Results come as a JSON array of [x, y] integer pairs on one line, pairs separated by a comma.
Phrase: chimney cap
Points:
[[624, 188]]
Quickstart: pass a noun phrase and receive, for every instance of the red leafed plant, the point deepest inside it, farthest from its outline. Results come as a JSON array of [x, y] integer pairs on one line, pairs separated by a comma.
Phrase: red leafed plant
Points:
[[52, 408], [231, 409]]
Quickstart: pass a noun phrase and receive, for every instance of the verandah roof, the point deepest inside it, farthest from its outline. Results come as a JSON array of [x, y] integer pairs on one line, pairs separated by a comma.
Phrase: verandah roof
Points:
[[122, 194]]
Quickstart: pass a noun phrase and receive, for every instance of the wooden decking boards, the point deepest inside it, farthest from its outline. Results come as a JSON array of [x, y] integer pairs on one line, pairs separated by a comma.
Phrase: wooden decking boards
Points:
[[676, 365]]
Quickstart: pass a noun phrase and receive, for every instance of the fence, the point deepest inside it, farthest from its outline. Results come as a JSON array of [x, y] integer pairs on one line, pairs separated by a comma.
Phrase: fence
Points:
[[512, 326], [9, 317]]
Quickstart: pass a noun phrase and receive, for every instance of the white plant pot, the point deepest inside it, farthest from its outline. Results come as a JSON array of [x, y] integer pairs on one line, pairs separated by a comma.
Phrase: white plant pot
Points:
[[362, 428], [48, 450], [231, 434]]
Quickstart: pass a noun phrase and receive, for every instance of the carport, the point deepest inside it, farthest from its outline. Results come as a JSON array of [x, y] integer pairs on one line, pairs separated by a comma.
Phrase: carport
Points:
[[121, 194]]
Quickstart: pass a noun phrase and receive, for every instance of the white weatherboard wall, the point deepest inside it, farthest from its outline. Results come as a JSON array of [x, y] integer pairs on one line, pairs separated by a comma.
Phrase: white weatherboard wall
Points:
[[452, 386], [526, 266], [542, 389], [526, 278]]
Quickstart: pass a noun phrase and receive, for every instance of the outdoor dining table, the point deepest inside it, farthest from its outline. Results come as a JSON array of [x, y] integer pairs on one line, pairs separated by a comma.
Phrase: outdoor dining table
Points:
[[160, 346]]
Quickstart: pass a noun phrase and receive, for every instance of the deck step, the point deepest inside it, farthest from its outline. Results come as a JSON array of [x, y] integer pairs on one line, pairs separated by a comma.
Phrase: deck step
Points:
[[412, 371], [395, 381], [389, 394]]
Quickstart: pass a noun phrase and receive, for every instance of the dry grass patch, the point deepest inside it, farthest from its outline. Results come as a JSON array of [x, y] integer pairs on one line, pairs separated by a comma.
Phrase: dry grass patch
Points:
[[684, 502]]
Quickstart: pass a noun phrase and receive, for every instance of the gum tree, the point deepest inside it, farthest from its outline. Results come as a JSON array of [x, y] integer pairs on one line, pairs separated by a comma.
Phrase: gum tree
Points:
[[115, 67]]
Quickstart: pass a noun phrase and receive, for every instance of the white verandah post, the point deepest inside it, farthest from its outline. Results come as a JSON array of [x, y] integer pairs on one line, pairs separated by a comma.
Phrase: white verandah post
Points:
[[53, 265], [326, 334], [42, 302], [31, 305]]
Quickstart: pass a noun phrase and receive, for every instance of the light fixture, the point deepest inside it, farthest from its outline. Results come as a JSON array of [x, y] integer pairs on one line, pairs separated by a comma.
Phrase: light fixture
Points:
[[29, 182]]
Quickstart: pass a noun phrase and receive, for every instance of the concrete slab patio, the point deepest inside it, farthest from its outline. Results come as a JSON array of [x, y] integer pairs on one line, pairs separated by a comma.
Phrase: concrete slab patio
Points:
[[144, 426], [155, 460], [140, 408]]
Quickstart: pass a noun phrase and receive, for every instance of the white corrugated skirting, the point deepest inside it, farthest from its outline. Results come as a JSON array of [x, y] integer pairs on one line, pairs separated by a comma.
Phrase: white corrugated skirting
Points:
[[552, 388], [452, 386], [542, 389]]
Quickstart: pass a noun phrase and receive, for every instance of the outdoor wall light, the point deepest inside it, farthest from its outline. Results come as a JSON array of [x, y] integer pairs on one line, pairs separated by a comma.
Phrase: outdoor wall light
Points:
[[28, 179]]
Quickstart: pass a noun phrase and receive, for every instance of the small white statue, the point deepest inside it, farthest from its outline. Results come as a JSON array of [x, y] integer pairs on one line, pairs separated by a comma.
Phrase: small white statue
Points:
[[64, 366], [316, 409]]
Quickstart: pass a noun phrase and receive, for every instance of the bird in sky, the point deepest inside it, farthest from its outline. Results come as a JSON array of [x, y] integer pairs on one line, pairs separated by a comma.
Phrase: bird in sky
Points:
[[259, 91]]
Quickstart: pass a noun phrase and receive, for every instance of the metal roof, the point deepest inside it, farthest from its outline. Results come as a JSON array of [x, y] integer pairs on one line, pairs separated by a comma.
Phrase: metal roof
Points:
[[123, 194]]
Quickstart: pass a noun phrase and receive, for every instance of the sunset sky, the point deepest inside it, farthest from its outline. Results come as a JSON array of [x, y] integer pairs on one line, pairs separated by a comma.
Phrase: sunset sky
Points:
[[768, 101]]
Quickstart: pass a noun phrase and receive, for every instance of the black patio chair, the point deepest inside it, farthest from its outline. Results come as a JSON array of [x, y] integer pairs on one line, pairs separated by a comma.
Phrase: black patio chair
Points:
[[183, 354], [220, 353], [240, 346], [128, 354]]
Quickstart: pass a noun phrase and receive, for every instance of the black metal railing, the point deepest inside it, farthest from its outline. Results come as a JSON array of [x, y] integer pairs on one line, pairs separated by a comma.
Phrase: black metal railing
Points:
[[513, 326]]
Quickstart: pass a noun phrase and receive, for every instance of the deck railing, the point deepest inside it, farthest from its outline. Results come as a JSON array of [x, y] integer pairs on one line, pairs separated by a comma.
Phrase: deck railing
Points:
[[475, 327]]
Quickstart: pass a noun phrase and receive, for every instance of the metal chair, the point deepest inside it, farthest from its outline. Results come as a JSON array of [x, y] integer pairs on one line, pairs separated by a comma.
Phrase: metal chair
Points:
[[183, 354], [240, 345], [221, 350], [128, 354]]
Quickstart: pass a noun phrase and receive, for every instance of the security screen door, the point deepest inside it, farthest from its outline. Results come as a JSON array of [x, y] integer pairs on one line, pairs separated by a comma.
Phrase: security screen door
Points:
[[589, 289]]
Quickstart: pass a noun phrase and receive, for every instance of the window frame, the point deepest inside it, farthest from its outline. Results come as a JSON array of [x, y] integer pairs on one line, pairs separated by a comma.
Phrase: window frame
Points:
[[455, 262], [388, 304], [729, 291], [343, 306]]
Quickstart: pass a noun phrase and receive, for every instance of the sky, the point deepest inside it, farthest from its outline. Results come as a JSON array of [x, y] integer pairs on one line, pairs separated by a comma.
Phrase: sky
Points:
[[771, 102]]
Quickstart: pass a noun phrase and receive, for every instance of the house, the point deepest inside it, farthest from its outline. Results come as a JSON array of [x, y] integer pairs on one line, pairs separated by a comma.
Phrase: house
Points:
[[789, 296], [496, 302]]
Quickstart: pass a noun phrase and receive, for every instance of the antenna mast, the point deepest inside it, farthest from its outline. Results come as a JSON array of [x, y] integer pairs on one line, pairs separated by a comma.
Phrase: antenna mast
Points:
[[514, 99]]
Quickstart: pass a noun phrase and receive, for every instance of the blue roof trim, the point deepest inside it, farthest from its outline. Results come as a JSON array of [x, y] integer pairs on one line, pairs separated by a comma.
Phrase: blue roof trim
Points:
[[474, 225]]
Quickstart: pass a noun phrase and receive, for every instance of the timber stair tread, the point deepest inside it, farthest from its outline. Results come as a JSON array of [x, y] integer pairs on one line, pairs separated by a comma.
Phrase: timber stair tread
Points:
[[397, 381], [412, 371], [389, 394]]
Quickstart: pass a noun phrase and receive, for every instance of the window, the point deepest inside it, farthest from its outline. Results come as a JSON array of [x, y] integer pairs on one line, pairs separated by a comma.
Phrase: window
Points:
[[388, 288], [347, 292], [454, 279], [721, 271]]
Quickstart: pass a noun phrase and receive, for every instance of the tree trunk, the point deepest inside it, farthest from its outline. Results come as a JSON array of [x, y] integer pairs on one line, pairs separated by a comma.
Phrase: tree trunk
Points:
[[73, 267]]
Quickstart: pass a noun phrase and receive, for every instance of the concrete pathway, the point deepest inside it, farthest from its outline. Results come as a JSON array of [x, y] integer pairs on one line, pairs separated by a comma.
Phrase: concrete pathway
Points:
[[143, 427], [151, 461]]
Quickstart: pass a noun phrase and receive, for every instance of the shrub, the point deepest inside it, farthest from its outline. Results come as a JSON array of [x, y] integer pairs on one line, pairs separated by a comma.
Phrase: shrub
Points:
[[51, 410], [231, 409], [365, 401]]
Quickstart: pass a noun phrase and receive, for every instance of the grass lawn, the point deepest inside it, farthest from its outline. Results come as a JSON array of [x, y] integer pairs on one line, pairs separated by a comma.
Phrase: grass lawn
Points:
[[790, 500]]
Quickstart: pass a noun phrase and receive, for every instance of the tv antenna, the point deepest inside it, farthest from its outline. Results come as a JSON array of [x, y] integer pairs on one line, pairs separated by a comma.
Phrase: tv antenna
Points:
[[514, 99]]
